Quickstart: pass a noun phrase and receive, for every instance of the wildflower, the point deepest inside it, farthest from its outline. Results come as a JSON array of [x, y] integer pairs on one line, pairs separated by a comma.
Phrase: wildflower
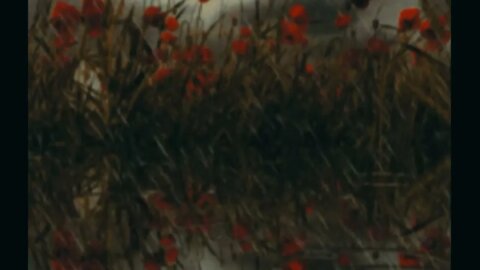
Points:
[[64, 41], [57, 265], [239, 232], [203, 1], [150, 265], [377, 45], [409, 19], [171, 256], [442, 20], [295, 265], [408, 261], [245, 32], [152, 15], [292, 247], [292, 33], [433, 43], [171, 23], [343, 20], [167, 37], [92, 12], [167, 242], [240, 47], [299, 16], [193, 54], [65, 19], [361, 4], [309, 70]]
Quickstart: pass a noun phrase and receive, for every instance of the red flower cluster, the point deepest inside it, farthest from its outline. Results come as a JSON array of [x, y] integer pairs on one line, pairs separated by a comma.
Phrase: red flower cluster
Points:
[[408, 261], [293, 247], [245, 32], [152, 15], [409, 19], [202, 80], [239, 232], [294, 28], [194, 54], [92, 12], [309, 69], [343, 20], [376, 45], [240, 46], [295, 265], [434, 42], [65, 19]]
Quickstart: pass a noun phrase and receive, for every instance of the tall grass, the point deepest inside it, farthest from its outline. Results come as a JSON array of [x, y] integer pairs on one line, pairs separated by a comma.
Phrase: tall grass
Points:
[[283, 138]]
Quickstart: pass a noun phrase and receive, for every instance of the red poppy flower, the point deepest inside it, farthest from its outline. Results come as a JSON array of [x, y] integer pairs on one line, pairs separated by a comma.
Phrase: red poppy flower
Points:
[[295, 265], [292, 33], [171, 256], [57, 265], [246, 246], [309, 70], [343, 20], [291, 248], [151, 266], [152, 15], [171, 23], [64, 19], [377, 45], [361, 4], [67, 14], [203, 1], [167, 37], [240, 47], [442, 20], [298, 14], [343, 260], [92, 12], [408, 261], [239, 232], [64, 41], [428, 33], [193, 54], [245, 32], [433, 43], [409, 19], [167, 242]]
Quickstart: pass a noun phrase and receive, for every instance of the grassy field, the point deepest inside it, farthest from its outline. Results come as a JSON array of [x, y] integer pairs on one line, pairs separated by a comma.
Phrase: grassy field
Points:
[[285, 140]]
